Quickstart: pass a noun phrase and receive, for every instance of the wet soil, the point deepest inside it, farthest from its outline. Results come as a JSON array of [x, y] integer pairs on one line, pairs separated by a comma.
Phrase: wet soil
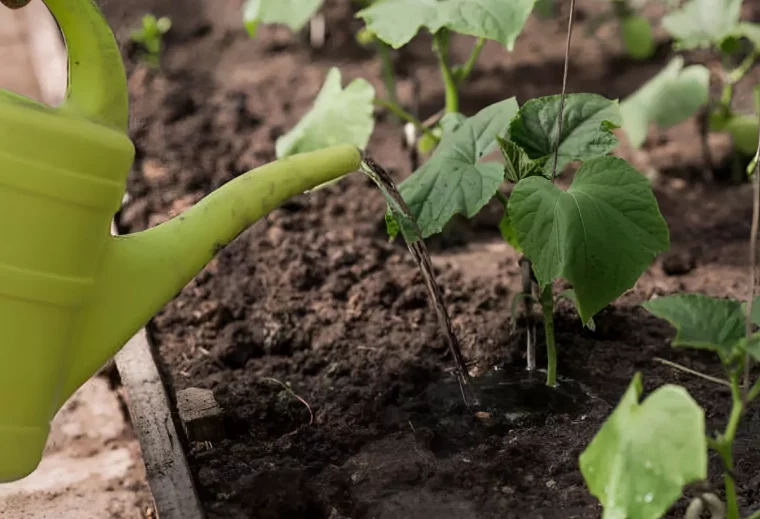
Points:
[[316, 297]]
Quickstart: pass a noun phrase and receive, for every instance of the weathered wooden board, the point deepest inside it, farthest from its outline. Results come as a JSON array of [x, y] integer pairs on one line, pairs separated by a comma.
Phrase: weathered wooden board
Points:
[[168, 473]]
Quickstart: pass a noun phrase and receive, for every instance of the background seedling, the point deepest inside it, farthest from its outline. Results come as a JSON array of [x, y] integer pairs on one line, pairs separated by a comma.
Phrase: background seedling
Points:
[[679, 92], [635, 30], [150, 36]]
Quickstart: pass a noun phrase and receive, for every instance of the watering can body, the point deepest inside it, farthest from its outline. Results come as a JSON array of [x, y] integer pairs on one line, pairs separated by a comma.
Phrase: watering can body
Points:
[[70, 293]]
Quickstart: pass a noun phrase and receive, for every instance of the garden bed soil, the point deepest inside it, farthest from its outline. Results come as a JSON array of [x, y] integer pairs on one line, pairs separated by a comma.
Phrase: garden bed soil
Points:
[[316, 297]]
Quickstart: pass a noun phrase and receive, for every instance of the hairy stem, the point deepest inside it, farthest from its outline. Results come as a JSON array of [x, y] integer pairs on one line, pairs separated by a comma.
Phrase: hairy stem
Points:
[[389, 78], [752, 265], [527, 287], [402, 114], [441, 48], [547, 305], [725, 448], [470, 63]]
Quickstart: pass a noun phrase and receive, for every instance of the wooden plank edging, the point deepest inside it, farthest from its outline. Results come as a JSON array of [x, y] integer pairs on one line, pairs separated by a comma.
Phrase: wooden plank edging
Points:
[[167, 469], [168, 472]]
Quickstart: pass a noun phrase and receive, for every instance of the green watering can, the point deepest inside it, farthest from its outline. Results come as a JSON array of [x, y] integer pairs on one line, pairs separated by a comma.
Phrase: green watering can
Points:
[[71, 295]]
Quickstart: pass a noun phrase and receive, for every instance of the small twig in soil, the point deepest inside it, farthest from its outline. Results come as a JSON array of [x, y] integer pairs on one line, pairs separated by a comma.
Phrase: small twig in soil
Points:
[[690, 371], [291, 393], [564, 88]]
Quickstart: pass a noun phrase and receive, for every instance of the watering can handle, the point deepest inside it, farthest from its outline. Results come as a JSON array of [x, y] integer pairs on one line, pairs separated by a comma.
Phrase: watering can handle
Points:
[[97, 84]]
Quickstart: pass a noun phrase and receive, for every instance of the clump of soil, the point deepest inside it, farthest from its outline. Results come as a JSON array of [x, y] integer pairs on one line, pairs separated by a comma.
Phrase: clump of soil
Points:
[[316, 297]]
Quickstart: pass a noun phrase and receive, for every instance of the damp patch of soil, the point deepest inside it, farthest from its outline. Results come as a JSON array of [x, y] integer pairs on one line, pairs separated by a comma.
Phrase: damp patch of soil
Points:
[[316, 297]]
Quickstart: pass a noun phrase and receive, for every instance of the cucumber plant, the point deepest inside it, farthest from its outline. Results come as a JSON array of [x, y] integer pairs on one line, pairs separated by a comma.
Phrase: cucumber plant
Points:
[[392, 24], [679, 92], [646, 452], [599, 235]]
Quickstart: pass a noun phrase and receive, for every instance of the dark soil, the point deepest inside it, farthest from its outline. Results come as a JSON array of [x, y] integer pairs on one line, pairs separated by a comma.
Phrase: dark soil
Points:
[[315, 297]]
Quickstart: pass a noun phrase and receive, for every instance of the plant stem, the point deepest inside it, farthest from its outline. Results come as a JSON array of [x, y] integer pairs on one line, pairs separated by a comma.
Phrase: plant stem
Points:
[[755, 515], [470, 63], [745, 66], [402, 114], [564, 88], [441, 48], [547, 306], [724, 446], [752, 266], [754, 392], [389, 79]]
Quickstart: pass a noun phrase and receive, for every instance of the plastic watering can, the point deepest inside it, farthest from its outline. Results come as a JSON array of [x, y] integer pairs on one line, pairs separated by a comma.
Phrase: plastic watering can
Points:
[[71, 294]]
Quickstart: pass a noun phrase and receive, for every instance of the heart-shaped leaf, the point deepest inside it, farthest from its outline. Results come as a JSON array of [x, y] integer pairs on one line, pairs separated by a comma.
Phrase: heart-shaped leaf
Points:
[[452, 181], [293, 13], [600, 235], [396, 22], [644, 454], [702, 23], [587, 121], [339, 116], [671, 97]]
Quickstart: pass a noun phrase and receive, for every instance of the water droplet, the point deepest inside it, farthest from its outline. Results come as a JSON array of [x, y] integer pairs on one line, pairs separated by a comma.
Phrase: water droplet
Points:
[[648, 498]]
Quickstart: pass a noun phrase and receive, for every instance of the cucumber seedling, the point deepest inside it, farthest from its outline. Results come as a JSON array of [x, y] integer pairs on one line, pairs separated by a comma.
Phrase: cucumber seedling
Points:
[[679, 92], [149, 38], [645, 452], [600, 235]]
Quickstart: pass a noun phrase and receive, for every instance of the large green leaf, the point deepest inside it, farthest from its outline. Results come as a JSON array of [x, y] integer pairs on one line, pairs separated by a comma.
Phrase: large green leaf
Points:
[[396, 22], [701, 321], [702, 23], [452, 181], [645, 453], [600, 235], [339, 116], [709, 323], [587, 121], [671, 97], [293, 13]]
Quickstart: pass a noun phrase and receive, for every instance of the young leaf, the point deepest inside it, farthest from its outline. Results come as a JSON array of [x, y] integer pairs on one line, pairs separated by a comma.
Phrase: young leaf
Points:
[[293, 13], [396, 22], [517, 164], [600, 235], [587, 122], [672, 96], [702, 23], [701, 321], [339, 116], [645, 453], [748, 30], [452, 182], [506, 228]]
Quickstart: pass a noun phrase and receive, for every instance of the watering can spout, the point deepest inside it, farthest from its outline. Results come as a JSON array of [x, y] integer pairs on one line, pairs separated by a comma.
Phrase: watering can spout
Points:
[[141, 272]]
